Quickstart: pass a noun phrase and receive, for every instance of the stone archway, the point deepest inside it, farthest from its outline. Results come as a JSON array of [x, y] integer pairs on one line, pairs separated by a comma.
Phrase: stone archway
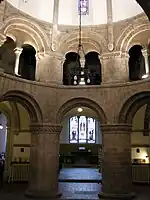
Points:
[[27, 101], [34, 111], [75, 102], [13, 127], [132, 105]]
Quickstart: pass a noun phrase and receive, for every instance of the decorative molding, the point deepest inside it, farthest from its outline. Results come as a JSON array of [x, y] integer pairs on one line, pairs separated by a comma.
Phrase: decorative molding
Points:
[[116, 128], [38, 128]]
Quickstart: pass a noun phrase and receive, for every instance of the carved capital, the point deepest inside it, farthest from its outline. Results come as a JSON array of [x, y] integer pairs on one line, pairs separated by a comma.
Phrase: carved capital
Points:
[[45, 128]]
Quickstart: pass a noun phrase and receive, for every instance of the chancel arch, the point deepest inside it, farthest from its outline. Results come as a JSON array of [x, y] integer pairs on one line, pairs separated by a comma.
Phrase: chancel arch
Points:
[[78, 102], [81, 136]]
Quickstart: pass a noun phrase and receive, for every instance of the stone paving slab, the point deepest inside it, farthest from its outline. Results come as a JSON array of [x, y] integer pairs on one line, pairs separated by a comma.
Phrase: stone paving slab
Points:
[[74, 190]]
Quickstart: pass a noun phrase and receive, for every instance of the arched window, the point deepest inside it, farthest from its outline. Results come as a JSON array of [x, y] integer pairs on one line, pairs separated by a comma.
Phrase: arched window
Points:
[[71, 69], [27, 64], [7, 56], [82, 129], [93, 69], [136, 63]]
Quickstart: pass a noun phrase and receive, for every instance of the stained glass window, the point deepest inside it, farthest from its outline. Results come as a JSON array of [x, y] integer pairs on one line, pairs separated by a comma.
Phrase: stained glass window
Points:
[[84, 6], [82, 129], [74, 129]]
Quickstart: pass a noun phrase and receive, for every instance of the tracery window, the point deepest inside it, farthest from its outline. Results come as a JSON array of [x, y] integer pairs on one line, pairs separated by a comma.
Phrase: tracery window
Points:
[[81, 129], [84, 6]]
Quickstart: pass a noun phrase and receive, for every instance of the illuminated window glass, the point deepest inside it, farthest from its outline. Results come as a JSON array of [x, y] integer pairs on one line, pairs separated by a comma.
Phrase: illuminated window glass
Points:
[[84, 6], [82, 129], [74, 129]]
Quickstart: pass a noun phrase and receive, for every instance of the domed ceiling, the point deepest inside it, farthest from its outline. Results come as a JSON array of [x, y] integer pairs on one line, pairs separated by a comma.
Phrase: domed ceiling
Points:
[[68, 10]]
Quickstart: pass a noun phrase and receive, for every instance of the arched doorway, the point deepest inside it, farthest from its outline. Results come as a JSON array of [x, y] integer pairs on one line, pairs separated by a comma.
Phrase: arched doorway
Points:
[[136, 63], [81, 139], [27, 64], [136, 111], [93, 69], [71, 69], [18, 141]]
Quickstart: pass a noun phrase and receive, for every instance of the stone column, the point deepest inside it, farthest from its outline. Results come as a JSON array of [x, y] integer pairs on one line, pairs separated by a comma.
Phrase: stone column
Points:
[[55, 25], [116, 166], [9, 150], [44, 161], [110, 28], [145, 55], [50, 68], [18, 52]]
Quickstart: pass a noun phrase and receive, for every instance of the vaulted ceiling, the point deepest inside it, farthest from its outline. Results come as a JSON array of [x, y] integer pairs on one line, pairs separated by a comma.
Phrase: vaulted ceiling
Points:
[[145, 4]]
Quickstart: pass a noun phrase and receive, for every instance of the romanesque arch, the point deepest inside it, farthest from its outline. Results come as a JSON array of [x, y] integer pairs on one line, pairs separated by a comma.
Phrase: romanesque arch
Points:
[[27, 30], [125, 39], [91, 40], [131, 106], [75, 102], [25, 100]]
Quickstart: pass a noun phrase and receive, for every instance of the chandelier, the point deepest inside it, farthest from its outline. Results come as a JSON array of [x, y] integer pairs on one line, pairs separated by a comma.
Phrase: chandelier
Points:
[[81, 53]]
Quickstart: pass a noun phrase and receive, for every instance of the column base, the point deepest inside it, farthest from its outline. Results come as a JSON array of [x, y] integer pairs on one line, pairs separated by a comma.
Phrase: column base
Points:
[[116, 196], [41, 194]]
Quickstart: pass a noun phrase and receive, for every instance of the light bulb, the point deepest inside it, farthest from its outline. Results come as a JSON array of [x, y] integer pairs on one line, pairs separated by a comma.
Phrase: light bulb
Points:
[[80, 109], [1, 126]]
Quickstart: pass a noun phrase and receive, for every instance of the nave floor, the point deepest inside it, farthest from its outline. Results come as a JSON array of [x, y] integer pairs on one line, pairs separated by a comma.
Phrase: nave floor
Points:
[[70, 189]]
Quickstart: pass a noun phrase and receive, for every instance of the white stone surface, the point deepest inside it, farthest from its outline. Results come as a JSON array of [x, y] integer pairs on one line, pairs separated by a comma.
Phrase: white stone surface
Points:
[[68, 10]]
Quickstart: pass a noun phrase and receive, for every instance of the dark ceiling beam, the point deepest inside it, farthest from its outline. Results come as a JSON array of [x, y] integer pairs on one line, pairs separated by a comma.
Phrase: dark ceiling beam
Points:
[[145, 4]]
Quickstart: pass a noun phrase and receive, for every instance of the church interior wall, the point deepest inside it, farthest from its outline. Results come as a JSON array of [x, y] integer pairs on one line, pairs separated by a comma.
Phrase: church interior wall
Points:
[[37, 108]]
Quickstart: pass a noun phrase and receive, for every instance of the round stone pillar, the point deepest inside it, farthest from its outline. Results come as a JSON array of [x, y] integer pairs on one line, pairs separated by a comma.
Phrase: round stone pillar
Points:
[[116, 165], [44, 161], [18, 52], [50, 68]]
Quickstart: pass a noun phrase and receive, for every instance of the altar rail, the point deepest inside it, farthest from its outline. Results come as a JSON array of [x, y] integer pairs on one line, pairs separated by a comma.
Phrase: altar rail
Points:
[[19, 172]]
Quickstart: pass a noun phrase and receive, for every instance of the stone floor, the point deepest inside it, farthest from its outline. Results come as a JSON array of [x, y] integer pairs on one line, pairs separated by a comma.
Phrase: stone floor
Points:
[[80, 175], [72, 190]]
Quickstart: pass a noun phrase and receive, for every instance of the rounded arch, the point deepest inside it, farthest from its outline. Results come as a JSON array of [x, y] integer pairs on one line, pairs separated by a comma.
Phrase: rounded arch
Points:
[[136, 63], [69, 42], [127, 40], [31, 31], [93, 66], [73, 54], [27, 63], [132, 105], [25, 100], [127, 35], [75, 102]]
